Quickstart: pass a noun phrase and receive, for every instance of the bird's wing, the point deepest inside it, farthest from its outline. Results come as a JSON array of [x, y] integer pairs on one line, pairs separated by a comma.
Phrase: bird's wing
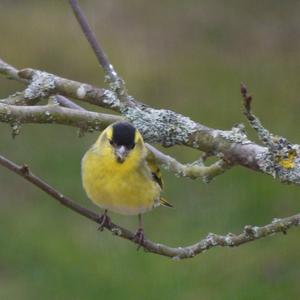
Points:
[[156, 176], [155, 171]]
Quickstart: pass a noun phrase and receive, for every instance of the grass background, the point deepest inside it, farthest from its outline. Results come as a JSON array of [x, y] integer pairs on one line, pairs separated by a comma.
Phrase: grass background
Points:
[[188, 56]]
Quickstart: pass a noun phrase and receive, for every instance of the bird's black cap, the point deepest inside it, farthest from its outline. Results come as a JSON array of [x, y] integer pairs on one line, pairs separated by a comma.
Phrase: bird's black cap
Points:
[[123, 134]]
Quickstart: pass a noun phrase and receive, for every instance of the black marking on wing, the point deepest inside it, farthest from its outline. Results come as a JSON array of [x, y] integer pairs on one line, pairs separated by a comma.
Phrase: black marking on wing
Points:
[[157, 179]]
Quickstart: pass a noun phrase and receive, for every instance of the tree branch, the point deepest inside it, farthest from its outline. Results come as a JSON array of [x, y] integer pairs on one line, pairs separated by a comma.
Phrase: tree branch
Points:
[[169, 128], [10, 72], [63, 101], [194, 170], [212, 240], [48, 114]]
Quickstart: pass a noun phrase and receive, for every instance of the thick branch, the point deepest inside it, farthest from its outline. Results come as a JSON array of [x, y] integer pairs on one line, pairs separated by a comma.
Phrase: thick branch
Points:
[[249, 234], [169, 128]]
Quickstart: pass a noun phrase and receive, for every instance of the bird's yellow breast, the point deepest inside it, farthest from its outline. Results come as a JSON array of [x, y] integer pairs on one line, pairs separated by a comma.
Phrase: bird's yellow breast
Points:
[[125, 188]]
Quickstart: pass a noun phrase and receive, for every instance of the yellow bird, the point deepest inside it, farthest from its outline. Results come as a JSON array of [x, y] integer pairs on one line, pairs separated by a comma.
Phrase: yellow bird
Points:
[[119, 174]]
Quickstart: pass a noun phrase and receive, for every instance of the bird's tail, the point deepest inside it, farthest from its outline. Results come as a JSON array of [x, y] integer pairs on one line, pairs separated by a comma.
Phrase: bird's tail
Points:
[[164, 202]]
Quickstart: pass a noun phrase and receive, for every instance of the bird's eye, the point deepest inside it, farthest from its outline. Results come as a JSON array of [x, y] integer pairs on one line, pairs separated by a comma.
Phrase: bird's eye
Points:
[[111, 142]]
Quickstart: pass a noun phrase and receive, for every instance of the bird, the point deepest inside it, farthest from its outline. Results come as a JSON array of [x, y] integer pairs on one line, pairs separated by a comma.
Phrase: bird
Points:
[[119, 174]]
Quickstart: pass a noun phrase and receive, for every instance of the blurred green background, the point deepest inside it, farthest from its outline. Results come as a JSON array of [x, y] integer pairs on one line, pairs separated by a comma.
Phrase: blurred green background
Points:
[[188, 56]]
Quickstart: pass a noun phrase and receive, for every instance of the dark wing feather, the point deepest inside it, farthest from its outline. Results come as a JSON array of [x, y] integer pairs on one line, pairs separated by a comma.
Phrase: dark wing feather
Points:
[[156, 175], [155, 171]]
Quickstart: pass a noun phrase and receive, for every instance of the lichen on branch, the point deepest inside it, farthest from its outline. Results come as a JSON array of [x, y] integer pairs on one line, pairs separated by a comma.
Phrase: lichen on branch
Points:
[[169, 128]]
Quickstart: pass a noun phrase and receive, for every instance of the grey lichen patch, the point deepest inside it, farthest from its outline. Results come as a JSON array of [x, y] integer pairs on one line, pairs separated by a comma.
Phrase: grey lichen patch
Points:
[[89, 126], [116, 83], [251, 231], [116, 231], [229, 239], [236, 135], [7, 116], [263, 134], [15, 129], [256, 231], [49, 116], [184, 253], [160, 125], [211, 240], [41, 85], [111, 99], [5, 113], [265, 161], [176, 258], [52, 101]]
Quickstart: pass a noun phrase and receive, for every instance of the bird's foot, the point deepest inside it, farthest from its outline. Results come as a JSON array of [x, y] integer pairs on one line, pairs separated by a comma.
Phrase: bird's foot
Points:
[[139, 238], [104, 220]]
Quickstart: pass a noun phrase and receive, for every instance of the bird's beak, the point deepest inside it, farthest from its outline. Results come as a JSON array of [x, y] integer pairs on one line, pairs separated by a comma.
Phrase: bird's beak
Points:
[[121, 153]]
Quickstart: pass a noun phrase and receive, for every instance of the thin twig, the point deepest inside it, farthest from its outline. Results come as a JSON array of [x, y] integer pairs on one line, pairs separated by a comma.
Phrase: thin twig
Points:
[[90, 36], [64, 101], [263, 134], [10, 72], [249, 234]]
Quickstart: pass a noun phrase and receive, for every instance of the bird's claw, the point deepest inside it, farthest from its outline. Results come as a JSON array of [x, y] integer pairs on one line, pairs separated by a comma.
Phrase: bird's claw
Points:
[[104, 220], [139, 238]]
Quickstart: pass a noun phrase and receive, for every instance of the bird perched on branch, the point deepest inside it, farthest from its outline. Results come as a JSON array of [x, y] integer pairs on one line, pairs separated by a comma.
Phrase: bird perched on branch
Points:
[[119, 174]]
